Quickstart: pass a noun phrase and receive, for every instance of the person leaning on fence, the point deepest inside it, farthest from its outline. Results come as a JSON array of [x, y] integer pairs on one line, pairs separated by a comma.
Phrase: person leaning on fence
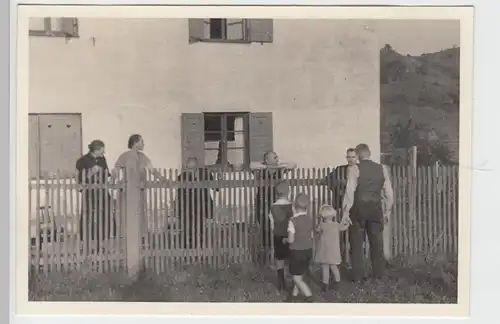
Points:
[[269, 172], [300, 240], [367, 205], [280, 214], [97, 219], [194, 205], [327, 252], [336, 180], [136, 164]]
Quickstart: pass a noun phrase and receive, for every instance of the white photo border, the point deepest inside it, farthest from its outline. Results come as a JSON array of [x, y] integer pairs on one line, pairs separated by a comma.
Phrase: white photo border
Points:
[[484, 165]]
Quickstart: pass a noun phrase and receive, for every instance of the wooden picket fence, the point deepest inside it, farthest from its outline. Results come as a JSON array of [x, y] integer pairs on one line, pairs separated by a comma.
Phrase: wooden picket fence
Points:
[[74, 224]]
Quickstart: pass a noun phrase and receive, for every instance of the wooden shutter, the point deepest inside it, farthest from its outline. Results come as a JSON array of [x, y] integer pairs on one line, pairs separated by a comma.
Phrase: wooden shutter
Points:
[[34, 147], [69, 26], [260, 135], [60, 143], [261, 30], [196, 29], [235, 29], [193, 140]]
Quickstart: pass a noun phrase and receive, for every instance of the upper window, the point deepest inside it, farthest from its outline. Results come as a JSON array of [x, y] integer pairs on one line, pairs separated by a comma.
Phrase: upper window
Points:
[[55, 27], [231, 30]]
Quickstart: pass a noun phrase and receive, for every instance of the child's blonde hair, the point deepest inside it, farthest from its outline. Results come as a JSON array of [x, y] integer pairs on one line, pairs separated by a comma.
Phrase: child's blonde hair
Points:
[[328, 212]]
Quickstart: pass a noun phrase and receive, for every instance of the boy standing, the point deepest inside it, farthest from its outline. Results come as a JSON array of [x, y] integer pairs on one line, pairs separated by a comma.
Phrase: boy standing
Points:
[[300, 239], [279, 216]]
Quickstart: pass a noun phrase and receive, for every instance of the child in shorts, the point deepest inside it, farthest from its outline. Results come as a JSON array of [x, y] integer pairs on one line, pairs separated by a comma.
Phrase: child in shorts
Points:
[[280, 214], [300, 239], [328, 246]]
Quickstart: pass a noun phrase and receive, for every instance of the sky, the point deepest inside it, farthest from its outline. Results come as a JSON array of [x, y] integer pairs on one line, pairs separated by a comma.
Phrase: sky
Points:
[[416, 37]]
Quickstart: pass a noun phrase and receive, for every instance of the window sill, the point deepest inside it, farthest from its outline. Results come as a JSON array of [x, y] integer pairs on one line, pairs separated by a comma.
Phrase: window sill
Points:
[[223, 41], [51, 34]]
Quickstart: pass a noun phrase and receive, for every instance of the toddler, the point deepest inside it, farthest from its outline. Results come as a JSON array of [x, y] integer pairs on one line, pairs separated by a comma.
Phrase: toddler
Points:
[[328, 245]]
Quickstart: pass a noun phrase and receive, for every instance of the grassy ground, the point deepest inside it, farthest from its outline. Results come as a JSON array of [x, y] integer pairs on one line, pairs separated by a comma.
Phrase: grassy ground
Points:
[[420, 280]]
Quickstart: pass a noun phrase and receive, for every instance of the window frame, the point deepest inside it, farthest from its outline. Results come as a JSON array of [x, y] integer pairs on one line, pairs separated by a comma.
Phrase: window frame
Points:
[[225, 148], [246, 34], [48, 32]]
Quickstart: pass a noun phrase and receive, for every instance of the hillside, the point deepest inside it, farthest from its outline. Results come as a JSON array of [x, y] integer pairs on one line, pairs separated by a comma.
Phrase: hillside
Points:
[[420, 101]]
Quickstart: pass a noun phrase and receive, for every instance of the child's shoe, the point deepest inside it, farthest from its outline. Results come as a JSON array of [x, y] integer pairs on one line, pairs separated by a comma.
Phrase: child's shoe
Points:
[[324, 287], [308, 299]]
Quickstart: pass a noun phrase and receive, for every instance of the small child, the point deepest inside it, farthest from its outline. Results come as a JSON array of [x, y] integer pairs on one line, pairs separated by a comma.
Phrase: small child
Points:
[[280, 214], [328, 246], [300, 239]]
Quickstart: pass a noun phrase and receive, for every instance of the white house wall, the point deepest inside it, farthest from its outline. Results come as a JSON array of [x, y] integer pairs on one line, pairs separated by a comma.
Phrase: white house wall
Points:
[[320, 78]]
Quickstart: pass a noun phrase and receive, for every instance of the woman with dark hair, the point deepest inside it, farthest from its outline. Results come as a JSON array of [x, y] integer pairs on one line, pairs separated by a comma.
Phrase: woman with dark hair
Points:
[[97, 219], [194, 205], [135, 164], [269, 172]]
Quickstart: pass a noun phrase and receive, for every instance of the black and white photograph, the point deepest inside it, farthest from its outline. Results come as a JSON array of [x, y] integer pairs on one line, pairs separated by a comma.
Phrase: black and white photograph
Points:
[[232, 157]]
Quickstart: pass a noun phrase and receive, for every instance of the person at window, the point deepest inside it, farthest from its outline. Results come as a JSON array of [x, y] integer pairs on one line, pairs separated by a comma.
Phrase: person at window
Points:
[[194, 205], [367, 206], [225, 165], [268, 173], [97, 219]]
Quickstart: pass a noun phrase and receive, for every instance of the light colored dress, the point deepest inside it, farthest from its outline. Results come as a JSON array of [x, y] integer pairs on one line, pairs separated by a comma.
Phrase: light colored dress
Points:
[[328, 243]]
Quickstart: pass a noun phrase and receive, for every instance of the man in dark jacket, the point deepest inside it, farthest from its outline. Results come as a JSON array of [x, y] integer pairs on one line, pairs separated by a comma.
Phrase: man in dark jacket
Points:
[[366, 206], [336, 181]]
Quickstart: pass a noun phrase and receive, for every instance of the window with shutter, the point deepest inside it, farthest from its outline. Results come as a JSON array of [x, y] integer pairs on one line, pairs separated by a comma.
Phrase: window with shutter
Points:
[[55, 27], [218, 140], [236, 30], [260, 135]]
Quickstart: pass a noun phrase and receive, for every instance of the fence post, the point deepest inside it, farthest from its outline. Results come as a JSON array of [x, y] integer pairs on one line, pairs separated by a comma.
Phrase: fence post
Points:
[[133, 227], [387, 232]]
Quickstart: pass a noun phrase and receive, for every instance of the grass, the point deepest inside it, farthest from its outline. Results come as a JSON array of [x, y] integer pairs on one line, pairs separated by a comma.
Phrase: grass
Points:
[[422, 279]]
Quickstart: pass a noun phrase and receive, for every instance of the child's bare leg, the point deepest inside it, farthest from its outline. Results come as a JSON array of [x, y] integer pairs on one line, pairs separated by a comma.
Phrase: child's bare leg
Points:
[[336, 272], [295, 291], [302, 286], [326, 273], [280, 270]]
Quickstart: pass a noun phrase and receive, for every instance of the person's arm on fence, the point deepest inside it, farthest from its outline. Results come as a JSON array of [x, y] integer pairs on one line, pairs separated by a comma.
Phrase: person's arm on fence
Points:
[[291, 232], [271, 221], [83, 167], [352, 183], [256, 166], [149, 166], [387, 194]]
